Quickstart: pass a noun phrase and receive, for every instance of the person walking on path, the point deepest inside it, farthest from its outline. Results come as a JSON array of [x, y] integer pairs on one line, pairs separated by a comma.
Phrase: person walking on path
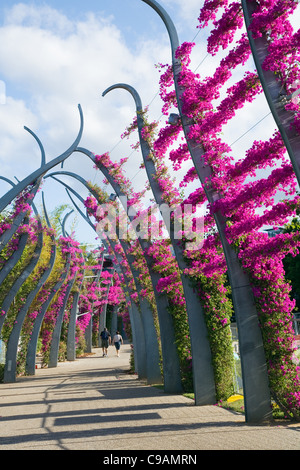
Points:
[[105, 340], [117, 341]]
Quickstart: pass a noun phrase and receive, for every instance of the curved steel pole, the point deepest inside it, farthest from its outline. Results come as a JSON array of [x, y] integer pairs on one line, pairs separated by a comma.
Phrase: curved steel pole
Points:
[[8, 180], [17, 221], [254, 369], [71, 334], [173, 36], [5, 238], [274, 93], [27, 270], [151, 341], [55, 340], [137, 325], [30, 179], [131, 90], [14, 258], [12, 345], [32, 346], [203, 375], [43, 156], [54, 347], [88, 333]]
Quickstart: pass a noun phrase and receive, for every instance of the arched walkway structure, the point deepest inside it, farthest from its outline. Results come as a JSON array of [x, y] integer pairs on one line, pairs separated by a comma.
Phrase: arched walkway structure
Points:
[[255, 376]]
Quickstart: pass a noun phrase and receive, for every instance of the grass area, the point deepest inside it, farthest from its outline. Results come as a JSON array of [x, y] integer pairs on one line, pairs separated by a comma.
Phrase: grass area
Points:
[[236, 403]]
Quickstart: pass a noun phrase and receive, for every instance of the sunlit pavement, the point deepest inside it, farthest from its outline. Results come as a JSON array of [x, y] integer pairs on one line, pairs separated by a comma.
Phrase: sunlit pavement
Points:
[[93, 403]]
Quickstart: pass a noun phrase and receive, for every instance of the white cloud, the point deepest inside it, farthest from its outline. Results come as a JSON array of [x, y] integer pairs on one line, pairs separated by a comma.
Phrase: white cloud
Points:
[[186, 9], [24, 14], [18, 149], [58, 72]]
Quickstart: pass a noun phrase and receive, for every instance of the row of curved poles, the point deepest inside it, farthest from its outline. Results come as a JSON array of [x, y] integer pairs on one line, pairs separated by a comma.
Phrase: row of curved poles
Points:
[[255, 381]]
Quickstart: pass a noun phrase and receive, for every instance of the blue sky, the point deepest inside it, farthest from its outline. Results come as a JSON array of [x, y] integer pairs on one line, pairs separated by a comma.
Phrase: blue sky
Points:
[[57, 54]]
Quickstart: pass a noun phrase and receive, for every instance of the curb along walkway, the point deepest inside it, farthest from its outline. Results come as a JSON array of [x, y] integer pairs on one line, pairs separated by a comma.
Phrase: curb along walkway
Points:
[[93, 404]]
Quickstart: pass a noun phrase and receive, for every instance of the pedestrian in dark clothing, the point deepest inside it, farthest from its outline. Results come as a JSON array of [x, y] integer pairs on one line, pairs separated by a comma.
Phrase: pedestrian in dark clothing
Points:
[[105, 340]]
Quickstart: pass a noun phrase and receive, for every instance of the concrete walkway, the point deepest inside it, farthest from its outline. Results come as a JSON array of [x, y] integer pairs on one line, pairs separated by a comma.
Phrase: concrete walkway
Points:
[[93, 404]]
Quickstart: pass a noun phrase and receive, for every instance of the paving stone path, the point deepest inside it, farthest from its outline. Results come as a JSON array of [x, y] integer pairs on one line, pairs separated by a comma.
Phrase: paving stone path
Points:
[[93, 403]]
